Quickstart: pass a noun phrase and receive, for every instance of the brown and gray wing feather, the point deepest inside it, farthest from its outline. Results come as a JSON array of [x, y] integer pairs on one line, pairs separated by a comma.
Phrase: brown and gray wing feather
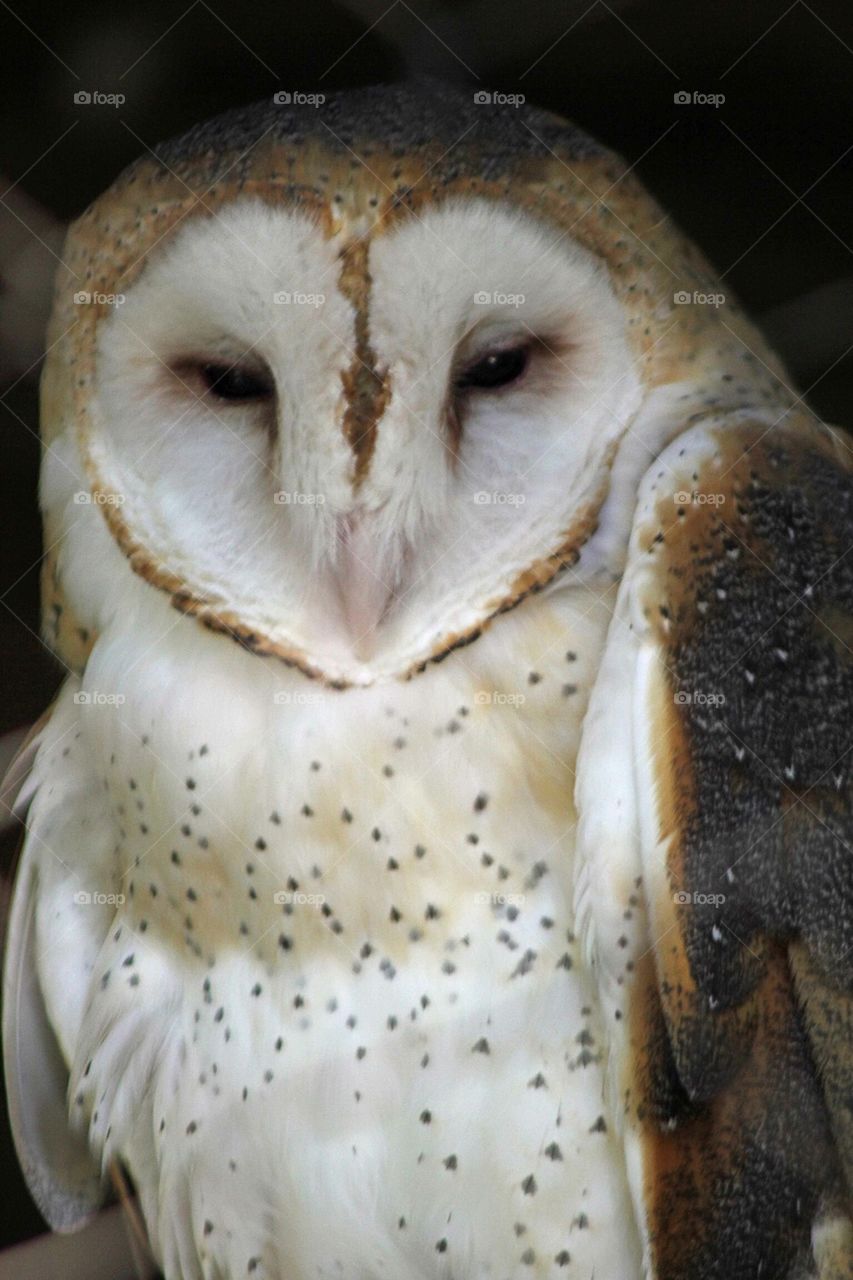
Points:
[[742, 1022]]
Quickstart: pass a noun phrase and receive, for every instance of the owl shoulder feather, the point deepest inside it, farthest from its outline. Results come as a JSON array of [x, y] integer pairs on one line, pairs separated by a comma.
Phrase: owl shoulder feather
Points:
[[732, 984]]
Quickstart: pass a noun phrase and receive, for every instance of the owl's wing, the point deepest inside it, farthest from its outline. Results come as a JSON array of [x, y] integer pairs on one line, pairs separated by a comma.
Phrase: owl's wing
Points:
[[62, 1176], [716, 844]]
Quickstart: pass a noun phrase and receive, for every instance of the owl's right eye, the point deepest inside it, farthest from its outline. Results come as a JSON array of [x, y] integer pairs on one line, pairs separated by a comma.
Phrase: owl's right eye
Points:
[[494, 369], [231, 382]]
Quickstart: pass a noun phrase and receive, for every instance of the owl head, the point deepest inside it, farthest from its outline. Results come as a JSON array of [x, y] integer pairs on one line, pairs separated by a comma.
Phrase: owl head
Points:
[[349, 381]]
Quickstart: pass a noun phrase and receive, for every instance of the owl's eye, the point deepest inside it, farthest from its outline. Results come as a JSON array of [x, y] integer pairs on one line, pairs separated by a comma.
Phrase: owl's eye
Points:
[[496, 369], [230, 382]]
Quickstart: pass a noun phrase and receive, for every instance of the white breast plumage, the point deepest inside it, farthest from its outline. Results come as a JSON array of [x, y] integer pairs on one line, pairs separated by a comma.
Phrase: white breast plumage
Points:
[[344, 967]]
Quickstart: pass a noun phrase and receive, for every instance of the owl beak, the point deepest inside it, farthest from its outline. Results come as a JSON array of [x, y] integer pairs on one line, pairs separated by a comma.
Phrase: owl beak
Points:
[[364, 595]]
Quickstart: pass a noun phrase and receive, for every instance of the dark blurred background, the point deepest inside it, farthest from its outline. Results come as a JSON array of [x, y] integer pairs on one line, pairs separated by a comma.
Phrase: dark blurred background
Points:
[[762, 181]]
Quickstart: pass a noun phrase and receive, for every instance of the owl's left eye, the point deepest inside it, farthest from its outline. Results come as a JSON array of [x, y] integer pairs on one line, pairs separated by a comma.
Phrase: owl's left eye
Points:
[[230, 382], [495, 369]]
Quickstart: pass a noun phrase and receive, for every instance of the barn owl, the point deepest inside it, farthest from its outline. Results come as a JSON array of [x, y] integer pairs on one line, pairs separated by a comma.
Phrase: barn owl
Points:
[[438, 856]]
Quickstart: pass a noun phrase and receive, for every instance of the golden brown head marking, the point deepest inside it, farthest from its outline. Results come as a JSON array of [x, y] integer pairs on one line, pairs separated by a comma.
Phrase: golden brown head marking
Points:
[[367, 389]]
